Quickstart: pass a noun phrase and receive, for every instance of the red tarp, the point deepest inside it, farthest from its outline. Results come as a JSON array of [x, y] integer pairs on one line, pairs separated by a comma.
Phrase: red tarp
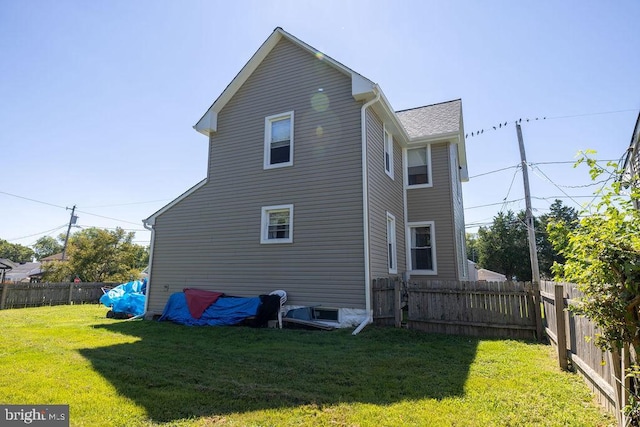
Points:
[[198, 300]]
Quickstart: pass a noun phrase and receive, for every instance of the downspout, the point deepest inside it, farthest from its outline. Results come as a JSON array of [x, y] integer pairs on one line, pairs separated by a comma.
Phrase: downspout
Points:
[[151, 228], [365, 212]]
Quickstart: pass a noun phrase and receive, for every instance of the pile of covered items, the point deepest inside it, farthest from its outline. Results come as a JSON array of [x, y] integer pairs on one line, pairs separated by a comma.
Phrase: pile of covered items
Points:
[[126, 300], [197, 307]]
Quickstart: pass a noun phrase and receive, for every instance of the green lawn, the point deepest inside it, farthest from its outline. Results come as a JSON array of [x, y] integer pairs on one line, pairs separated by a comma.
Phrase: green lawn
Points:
[[144, 373]]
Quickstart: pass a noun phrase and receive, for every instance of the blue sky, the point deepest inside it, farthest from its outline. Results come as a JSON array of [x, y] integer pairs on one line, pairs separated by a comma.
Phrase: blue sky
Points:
[[98, 98]]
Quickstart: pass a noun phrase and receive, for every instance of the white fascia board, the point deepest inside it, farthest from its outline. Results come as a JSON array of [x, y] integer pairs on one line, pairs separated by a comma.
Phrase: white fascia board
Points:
[[151, 221], [360, 86], [390, 119], [432, 139], [462, 151], [208, 123]]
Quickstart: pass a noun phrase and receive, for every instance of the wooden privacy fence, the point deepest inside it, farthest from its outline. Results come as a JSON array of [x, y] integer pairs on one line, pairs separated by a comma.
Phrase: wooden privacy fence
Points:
[[568, 334], [495, 309], [21, 295]]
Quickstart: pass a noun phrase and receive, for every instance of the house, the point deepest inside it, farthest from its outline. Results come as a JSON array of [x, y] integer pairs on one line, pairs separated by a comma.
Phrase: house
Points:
[[483, 275], [5, 265], [631, 174], [315, 185], [22, 273]]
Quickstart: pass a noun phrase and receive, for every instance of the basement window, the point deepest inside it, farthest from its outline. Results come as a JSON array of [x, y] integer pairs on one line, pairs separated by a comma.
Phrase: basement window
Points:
[[326, 314]]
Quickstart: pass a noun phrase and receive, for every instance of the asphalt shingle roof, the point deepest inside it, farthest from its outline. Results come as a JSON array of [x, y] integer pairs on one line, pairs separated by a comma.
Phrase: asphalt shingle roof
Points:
[[431, 120]]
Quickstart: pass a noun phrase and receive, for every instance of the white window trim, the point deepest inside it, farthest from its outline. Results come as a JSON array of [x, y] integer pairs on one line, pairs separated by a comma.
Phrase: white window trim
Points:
[[406, 168], [267, 140], [430, 224], [264, 224], [391, 239], [388, 148]]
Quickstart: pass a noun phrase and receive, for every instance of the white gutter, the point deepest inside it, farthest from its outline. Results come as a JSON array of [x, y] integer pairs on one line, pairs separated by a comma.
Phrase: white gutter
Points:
[[365, 212], [151, 228]]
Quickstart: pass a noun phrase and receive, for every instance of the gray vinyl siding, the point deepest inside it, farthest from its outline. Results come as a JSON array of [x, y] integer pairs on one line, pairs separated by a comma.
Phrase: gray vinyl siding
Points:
[[385, 195], [435, 204], [211, 239], [458, 214]]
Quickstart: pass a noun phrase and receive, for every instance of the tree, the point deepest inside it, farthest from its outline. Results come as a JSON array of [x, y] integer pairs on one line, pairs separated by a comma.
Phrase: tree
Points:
[[503, 247], [548, 254], [15, 252], [97, 255], [46, 246], [472, 246], [602, 255]]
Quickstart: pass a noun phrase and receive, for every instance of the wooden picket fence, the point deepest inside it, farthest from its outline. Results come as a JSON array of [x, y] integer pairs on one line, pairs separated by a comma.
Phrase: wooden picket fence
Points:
[[512, 311], [570, 333], [20, 295], [496, 309]]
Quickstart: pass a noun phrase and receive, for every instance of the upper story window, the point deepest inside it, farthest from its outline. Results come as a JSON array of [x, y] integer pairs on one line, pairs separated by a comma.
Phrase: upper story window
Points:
[[278, 140], [388, 153], [277, 224], [422, 248], [419, 167]]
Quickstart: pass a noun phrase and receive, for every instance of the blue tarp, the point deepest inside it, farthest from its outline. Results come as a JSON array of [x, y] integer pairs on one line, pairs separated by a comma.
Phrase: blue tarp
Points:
[[225, 311], [127, 298]]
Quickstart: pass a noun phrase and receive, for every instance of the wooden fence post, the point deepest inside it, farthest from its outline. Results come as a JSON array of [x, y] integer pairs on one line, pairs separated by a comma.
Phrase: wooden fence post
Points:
[[397, 309], [537, 303], [3, 298], [560, 327], [71, 293]]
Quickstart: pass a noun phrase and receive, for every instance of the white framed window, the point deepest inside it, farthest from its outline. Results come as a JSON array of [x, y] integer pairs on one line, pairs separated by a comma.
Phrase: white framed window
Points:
[[419, 167], [392, 257], [422, 248], [277, 224], [388, 153], [278, 140]]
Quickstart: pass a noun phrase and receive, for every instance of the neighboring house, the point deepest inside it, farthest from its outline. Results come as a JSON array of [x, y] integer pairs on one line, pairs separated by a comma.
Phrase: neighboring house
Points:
[[315, 186], [5, 266], [54, 257], [481, 274], [22, 272], [631, 174]]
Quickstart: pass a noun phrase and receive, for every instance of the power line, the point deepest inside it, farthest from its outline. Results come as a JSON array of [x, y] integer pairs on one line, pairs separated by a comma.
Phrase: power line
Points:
[[33, 200], [501, 125], [63, 207], [126, 204], [547, 198], [556, 185], [108, 217], [36, 234], [567, 162], [494, 171], [515, 173]]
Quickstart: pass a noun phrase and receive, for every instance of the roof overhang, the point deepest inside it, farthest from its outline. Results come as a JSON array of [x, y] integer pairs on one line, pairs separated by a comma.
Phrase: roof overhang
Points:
[[361, 87]]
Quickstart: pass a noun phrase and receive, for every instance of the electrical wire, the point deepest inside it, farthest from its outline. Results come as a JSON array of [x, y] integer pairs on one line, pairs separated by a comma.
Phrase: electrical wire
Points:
[[494, 171], [126, 204], [510, 187], [36, 234], [33, 200]]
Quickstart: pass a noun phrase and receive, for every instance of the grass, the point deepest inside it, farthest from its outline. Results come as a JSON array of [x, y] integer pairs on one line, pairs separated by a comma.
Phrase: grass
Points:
[[143, 373]]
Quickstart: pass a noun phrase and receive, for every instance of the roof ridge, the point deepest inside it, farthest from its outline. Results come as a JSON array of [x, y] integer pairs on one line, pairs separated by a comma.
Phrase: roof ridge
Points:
[[430, 105]]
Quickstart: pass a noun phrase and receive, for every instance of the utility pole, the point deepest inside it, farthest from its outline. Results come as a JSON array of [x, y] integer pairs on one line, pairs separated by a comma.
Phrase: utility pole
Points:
[[72, 221], [533, 251]]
